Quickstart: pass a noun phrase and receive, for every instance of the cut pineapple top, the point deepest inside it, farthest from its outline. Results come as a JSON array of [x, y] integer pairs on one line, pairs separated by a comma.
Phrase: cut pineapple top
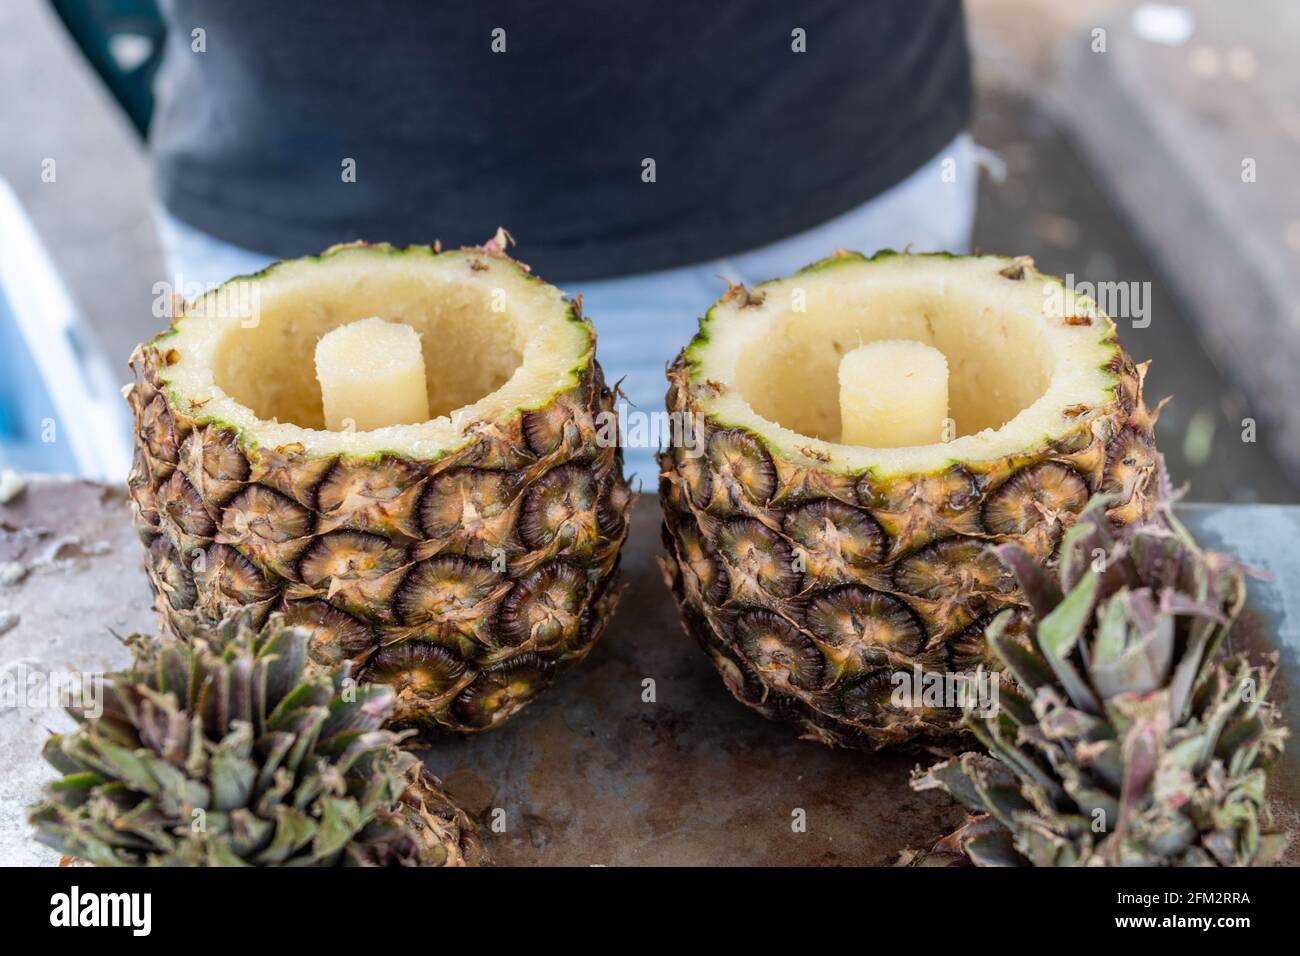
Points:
[[1028, 359], [495, 340]]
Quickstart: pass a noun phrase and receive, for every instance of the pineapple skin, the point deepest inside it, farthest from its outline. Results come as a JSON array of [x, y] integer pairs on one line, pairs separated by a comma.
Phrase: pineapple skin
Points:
[[775, 564], [467, 582]]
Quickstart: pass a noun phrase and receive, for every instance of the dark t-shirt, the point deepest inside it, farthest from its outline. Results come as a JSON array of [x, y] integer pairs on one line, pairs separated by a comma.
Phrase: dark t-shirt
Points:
[[751, 141]]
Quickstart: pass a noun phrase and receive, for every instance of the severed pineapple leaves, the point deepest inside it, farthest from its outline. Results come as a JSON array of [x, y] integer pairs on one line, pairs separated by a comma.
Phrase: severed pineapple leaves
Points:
[[1125, 741], [227, 753]]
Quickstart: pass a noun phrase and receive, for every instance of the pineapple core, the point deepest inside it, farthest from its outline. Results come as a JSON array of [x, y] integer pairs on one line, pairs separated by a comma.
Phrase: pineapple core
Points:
[[371, 375], [893, 394]]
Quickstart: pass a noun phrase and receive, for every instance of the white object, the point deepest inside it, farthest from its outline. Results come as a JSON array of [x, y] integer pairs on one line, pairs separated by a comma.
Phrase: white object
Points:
[[91, 415], [1165, 23]]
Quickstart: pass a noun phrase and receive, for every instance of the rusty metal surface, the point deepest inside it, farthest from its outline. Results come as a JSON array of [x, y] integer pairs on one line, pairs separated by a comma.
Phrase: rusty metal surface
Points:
[[592, 773], [1267, 538]]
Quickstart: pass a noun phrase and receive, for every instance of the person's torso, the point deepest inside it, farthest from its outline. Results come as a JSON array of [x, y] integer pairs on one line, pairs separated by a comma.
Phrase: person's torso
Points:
[[608, 136]]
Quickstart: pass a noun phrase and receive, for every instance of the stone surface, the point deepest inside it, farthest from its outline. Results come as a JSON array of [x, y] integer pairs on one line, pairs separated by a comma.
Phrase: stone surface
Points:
[[594, 772], [70, 571]]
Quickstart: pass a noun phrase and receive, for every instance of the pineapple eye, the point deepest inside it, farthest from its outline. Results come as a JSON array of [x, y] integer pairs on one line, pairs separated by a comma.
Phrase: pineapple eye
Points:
[[868, 698], [742, 469], [500, 690], [760, 566], [559, 512], [779, 652], [544, 610], [840, 542], [451, 596], [417, 669], [857, 620], [335, 636]]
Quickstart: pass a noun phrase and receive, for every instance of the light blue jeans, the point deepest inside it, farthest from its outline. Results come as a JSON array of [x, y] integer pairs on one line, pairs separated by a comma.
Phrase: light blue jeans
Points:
[[643, 320]]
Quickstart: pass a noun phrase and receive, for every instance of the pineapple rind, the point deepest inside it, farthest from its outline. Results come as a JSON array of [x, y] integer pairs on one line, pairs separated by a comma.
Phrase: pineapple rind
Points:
[[183, 508], [572, 312], [698, 497]]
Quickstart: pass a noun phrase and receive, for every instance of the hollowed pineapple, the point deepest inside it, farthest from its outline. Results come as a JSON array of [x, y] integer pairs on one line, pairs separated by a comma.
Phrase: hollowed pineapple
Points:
[[813, 571], [464, 560]]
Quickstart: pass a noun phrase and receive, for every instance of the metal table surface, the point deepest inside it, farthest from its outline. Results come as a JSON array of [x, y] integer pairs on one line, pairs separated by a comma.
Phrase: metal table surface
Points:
[[590, 773]]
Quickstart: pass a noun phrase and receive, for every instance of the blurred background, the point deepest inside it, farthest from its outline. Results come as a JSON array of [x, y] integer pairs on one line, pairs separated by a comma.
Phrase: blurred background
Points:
[[1120, 142]]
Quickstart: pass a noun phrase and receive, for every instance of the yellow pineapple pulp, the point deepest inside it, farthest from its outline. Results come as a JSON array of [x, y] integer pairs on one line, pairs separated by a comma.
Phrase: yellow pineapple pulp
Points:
[[371, 375], [893, 393]]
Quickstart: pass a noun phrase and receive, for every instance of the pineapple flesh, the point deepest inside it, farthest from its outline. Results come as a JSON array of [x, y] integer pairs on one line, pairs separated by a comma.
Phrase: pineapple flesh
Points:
[[812, 571], [893, 393], [464, 559], [371, 375]]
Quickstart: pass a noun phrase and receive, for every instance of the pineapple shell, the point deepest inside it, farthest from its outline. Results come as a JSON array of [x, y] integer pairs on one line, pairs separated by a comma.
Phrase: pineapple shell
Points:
[[466, 561], [813, 572]]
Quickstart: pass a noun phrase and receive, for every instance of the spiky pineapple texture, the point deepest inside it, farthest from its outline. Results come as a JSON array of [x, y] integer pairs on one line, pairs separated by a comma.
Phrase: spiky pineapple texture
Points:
[[228, 752], [811, 582], [1125, 742], [467, 581]]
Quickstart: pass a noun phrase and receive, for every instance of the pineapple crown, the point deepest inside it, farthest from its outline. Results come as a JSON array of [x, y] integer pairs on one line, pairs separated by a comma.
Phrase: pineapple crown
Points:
[[226, 752], [1125, 742]]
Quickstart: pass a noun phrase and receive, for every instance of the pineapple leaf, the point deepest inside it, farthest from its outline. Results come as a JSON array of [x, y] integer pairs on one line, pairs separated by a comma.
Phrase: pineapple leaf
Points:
[[237, 735], [994, 849], [1026, 666], [1041, 590], [1059, 634], [1133, 724]]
